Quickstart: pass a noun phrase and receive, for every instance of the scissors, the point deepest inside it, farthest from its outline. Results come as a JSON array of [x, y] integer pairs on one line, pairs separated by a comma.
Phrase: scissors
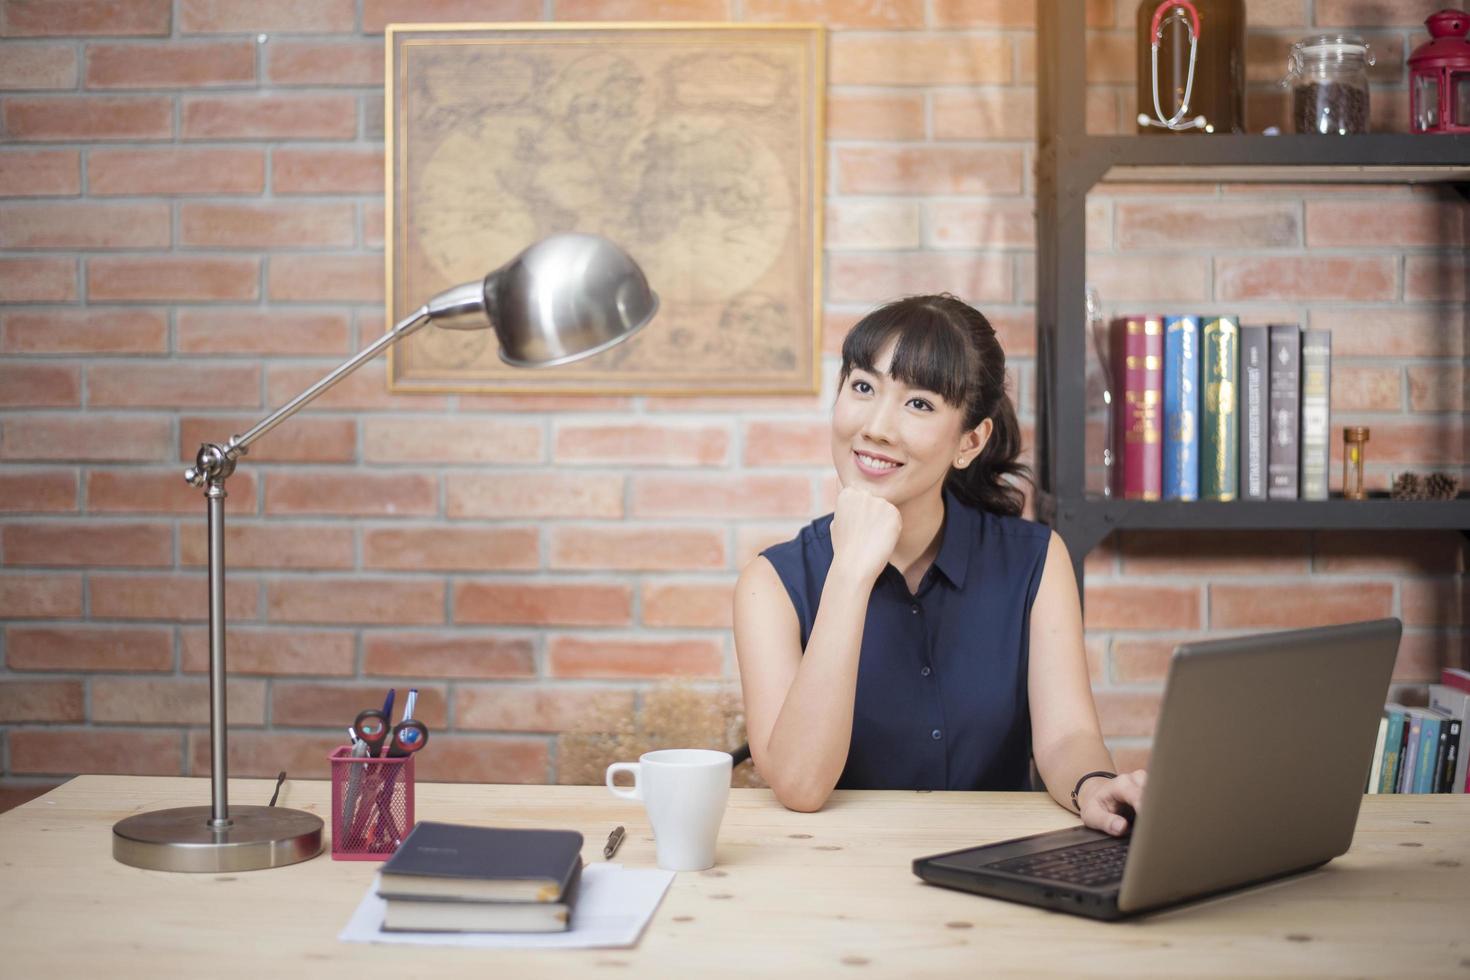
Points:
[[377, 730]]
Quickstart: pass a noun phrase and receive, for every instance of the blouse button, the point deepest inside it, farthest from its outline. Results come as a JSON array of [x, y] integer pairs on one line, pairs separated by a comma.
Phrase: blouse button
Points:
[[924, 672], [935, 734], [914, 609]]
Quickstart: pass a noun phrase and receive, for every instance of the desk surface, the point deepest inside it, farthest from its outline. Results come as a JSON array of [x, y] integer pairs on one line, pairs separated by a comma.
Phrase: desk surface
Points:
[[793, 893]]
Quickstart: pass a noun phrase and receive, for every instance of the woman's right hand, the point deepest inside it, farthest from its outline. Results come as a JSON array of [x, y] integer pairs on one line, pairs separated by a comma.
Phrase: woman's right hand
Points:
[[864, 533]]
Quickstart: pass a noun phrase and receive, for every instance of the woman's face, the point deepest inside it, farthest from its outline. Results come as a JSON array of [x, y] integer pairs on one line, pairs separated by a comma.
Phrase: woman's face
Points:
[[895, 441]]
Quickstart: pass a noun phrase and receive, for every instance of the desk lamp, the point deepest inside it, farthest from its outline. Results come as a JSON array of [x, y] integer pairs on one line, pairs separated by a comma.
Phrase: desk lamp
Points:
[[564, 298]]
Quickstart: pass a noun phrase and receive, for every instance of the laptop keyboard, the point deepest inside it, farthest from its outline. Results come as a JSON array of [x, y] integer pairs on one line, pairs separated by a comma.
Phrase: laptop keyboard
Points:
[[1091, 864]]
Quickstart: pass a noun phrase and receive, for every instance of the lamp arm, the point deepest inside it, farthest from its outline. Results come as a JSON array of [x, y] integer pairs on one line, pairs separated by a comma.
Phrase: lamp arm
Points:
[[217, 462]]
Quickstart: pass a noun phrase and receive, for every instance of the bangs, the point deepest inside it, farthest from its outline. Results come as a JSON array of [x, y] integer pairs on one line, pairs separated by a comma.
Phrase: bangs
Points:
[[931, 352]]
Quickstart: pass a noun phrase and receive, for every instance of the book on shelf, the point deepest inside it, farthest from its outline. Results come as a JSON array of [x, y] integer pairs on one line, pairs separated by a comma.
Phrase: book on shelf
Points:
[[1284, 402], [1423, 775], [1392, 746], [1316, 412], [1138, 363], [1255, 359], [1375, 774], [457, 878], [1455, 677], [1181, 408], [1219, 448], [1454, 704]]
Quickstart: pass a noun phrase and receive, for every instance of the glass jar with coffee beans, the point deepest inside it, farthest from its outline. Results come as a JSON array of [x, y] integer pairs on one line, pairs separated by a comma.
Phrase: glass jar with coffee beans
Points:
[[1328, 78]]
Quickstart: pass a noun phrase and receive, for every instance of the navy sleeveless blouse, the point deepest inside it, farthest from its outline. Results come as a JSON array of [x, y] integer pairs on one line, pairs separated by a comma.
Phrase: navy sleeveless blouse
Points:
[[941, 688]]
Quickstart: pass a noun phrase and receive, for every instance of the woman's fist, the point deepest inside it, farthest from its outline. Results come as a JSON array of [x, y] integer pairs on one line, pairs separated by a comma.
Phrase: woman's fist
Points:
[[864, 532]]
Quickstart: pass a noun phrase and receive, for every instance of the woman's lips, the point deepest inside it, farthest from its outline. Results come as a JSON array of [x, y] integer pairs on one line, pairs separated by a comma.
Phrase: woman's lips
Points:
[[875, 466]]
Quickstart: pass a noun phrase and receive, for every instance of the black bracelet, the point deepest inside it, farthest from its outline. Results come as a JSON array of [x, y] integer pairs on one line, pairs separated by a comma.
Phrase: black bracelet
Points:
[[1099, 772]]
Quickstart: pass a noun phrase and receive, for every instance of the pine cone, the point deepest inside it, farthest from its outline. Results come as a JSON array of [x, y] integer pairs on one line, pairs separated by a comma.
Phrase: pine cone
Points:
[[1406, 487], [1441, 486]]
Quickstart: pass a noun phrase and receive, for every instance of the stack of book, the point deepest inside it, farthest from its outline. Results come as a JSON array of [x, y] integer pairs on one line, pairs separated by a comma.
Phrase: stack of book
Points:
[[1210, 410], [454, 878], [1424, 750]]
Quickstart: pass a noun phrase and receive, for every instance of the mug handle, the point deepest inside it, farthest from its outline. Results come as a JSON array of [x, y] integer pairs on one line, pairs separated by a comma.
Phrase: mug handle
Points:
[[633, 792]]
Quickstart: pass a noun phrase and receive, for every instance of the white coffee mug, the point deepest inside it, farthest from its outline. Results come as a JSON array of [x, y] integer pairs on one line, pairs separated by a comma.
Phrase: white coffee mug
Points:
[[684, 791]]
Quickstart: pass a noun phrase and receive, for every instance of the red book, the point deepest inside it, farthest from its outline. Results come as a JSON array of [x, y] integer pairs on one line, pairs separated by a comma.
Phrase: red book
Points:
[[1455, 677], [1138, 367]]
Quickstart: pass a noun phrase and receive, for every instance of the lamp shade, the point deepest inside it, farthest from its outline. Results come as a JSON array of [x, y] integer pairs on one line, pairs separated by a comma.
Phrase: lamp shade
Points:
[[566, 297]]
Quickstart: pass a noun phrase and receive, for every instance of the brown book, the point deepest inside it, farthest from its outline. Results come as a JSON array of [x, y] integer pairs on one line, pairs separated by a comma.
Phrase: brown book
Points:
[[1138, 364]]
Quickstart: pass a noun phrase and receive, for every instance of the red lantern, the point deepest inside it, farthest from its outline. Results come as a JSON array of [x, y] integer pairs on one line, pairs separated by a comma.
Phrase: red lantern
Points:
[[1439, 76]]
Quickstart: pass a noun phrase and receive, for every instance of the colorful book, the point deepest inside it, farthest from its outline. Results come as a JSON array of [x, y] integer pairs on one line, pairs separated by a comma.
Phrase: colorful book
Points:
[[1455, 677], [1388, 779], [1255, 358], [1454, 704], [1376, 772], [1181, 408], [1436, 771], [1428, 753], [1409, 757], [1138, 359], [1219, 437], [1284, 403], [1316, 412]]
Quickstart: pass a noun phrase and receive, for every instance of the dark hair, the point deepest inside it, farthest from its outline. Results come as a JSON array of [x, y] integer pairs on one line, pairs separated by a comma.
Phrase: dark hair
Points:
[[948, 347]]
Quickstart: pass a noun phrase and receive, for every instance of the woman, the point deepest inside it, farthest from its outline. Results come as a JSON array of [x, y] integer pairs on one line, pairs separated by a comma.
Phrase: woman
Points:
[[923, 636]]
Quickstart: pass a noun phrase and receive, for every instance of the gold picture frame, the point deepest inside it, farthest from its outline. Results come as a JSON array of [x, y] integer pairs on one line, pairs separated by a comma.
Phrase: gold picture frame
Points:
[[697, 148]]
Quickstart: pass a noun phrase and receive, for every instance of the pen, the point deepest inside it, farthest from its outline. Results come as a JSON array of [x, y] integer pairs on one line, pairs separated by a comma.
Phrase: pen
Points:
[[354, 782], [613, 840]]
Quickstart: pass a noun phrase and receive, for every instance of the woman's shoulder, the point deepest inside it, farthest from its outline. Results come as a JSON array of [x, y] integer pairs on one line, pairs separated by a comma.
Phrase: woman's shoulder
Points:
[[813, 540], [988, 523]]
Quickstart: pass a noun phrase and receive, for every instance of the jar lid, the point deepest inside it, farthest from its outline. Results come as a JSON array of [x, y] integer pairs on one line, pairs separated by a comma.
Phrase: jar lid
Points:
[[1334, 47]]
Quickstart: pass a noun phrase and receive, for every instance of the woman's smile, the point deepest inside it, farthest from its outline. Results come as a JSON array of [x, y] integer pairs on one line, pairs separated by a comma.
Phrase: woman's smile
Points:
[[874, 465]]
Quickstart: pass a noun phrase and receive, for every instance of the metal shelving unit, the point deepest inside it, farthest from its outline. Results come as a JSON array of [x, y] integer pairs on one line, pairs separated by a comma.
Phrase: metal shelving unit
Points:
[[1069, 164]]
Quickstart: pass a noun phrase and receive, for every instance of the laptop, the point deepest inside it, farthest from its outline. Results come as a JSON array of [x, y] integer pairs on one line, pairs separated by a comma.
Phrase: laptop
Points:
[[1260, 757]]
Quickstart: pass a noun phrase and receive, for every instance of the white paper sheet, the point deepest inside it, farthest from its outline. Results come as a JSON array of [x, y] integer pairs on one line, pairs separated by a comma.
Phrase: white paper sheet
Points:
[[612, 910]]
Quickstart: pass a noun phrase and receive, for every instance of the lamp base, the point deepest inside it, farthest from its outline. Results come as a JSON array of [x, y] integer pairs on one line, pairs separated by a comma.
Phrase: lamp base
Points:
[[181, 839]]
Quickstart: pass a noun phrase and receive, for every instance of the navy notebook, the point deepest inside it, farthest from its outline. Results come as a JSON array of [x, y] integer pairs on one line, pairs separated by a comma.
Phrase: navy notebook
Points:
[[482, 864]]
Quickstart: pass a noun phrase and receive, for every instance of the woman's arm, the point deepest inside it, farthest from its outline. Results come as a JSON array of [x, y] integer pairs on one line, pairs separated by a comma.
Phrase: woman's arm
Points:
[[798, 708], [1065, 735]]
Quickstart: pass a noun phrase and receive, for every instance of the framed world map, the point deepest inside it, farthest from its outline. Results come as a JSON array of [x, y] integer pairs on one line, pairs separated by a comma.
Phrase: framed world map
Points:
[[698, 149]]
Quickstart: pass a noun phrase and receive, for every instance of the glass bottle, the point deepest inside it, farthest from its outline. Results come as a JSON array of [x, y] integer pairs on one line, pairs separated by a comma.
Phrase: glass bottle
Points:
[[1215, 83], [1353, 439], [1328, 78]]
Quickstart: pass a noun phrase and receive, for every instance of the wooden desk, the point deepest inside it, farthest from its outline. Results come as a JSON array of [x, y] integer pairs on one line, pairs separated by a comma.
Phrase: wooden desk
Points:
[[818, 894]]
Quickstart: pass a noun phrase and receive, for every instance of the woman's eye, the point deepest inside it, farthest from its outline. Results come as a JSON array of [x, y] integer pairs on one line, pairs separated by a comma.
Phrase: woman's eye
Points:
[[862, 387], [921, 404]]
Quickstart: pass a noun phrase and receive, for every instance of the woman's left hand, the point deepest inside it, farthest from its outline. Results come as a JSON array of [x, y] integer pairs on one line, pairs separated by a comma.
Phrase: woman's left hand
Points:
[[1110, 804]]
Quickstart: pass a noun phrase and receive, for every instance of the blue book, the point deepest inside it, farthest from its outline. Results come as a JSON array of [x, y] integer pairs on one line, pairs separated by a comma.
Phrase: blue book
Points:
[[1428, 753], [1388, 781], [1407, 767], [1181, 408]]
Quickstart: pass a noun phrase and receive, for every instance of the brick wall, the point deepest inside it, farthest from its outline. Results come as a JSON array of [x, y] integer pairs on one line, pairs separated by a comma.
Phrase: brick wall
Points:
[[191, 229]]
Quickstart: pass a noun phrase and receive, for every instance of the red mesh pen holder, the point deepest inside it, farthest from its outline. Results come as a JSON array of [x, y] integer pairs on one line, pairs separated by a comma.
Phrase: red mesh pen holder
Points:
[[372, 805]]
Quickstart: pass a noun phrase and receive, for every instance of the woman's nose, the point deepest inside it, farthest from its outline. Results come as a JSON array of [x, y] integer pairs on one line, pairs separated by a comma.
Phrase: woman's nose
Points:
[[878, 424]]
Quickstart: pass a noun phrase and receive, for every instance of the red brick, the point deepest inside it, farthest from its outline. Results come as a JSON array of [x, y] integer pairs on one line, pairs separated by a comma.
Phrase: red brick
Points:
[[32, 173], [27, 18], [365, 495], [1430, 442], [875, 116], [689, 604], [50, 701], [1366, 389], [153, 491], [458, 655], [171, 64], [524, 708], [85, 226], [69, 751], [533, 495], [162, 596], [632, 548], [309, 440], [985, 13], [256, 331], [450, 440], [39, 280], [880, 277], [1436, 279], [86, 438], [1289, 277], [1219, 224], [273, 651], [38, 491], [278, 16], [40, 385], [278, 226], [1395, 224], [279, 545], [88, 117], [32, 595], [872, 224], [295, 62], [1360, 13], [792, 443], [86, 648], [1276, 13], [1432, 388], [642, 443], [1206, 553], [721, 496], [65, 543], [467, 759], [1392, 552], [338, 278], [267, 117], [1434, 602], [898, 59], [372, 225], [172, 278], [456, 549], [543, 603], [37, 67], [1287, 606], [1141, 606], [173, 701], [173, 385], [377, 14], [1398, 331], [1422, 655], [1127, 713], [1009, 113], [544, 403], [300, 170], [740, 404], [1143, 661], [928, 170], [263, 754], [308, 704], [862, 14], [355, 600], [575, 656], [175, 170], [1147, 279], [363, 391]]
